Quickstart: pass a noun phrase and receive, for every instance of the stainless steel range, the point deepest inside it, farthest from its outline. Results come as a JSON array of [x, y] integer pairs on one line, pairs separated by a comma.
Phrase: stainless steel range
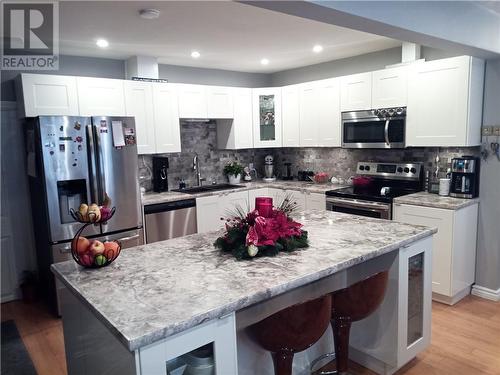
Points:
[[382, 182]]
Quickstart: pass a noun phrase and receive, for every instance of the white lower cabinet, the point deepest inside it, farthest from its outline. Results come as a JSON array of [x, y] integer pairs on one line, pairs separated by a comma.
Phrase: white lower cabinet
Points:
[[210, 210], [454, 253], [315, 201], [297, 197], [400, 328]]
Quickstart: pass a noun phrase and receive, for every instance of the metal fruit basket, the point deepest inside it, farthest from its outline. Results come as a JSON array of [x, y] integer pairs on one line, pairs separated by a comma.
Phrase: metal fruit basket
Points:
[[93, 218], [95, 253]]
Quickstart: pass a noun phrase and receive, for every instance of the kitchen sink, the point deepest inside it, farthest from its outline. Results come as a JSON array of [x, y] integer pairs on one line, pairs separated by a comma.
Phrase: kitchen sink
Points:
[[207, 188]]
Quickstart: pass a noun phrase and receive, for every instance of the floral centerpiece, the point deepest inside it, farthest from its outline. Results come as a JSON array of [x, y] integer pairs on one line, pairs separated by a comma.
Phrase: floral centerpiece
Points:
[[265, 231]]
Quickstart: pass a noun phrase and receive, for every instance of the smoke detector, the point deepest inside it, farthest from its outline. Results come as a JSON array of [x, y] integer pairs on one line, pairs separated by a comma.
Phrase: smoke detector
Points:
[[149, 14]]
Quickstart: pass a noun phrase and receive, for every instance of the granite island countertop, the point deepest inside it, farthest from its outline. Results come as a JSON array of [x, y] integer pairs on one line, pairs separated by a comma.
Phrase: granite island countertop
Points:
[[172, 196], [154, 291], [436, 201]]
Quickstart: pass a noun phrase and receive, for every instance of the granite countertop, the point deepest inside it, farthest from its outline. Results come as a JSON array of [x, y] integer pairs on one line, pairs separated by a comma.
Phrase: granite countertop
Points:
[[172, 196], [433, 200], [153, 291]]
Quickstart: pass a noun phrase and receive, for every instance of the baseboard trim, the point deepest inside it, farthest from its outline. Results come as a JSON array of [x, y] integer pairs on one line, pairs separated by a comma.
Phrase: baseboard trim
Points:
[[453, 299], [481, 291]]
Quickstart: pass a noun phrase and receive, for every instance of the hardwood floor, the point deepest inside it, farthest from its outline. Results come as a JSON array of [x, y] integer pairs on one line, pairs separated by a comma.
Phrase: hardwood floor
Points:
[[465, 339]]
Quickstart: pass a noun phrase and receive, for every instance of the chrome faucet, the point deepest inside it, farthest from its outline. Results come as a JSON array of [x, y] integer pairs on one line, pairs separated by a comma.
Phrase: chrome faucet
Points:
[[196, 168]]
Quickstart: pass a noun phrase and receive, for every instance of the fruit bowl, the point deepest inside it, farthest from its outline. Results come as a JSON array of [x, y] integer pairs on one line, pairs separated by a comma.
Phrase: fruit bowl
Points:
[[99, 215], [320, 178], [91, 253]]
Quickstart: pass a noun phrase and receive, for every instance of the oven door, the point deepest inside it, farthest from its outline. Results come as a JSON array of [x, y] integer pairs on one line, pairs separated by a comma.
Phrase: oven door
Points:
[[373, 132], [377, 210]]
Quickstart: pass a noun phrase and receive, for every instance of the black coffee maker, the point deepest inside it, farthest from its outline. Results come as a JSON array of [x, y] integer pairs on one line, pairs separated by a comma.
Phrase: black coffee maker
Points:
[[160, 180], [465, 177]]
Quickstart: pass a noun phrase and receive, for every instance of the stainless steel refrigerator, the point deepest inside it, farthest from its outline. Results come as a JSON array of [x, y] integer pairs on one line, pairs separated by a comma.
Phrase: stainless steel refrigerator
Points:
[[78, 159]]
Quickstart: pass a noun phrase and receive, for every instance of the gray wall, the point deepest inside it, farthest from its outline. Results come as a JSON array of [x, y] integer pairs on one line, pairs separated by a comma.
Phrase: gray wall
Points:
[[488, 247], [186, 74], [352, 65]]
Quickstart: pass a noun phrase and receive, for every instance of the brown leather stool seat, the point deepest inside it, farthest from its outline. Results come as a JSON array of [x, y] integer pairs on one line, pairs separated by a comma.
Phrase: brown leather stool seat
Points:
[[349, 305], [292, 330]]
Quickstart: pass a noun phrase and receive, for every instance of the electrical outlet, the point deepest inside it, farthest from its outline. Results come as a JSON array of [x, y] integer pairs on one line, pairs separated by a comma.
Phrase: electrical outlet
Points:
[[496, 130], [251, 166], [487, 130]]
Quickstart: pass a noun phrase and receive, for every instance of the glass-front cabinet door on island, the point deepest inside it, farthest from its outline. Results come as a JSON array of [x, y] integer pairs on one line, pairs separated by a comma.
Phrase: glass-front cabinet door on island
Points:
[[267, 129]]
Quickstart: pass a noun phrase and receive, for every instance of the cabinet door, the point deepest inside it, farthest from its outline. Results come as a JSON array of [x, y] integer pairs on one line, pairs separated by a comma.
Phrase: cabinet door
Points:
[[139, 104], [230, 202], [328, 113], [101, 96], [219, 102], [438, 103], [242, 123], [291, 112], [207, 214], [297, 197], [309, 115], [278, 195], [252, 194], [266, 104], [390, 87], [192, 101], [315, 201], [443, 240], [166, 118], [49, 95], [356, 92]]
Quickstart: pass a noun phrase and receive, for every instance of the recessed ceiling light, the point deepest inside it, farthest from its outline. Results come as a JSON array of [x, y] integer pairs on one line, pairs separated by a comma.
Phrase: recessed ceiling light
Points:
[[195, 54], [149, 14], [264, 61], [317, 48], [103, 43]]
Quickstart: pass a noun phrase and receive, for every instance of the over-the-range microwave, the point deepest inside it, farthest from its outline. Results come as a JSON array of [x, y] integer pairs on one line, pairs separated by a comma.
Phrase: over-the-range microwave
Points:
[[376, 128]]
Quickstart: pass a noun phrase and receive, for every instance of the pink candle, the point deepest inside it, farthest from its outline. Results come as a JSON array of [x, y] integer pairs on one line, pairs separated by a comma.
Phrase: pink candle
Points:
[[264, 205]]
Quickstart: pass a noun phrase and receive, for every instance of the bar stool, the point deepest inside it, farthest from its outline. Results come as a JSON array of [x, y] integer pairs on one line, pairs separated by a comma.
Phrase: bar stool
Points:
[[292, 330], [349, 305]]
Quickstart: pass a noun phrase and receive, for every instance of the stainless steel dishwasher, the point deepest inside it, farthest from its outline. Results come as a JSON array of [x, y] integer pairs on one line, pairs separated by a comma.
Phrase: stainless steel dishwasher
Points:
[[169, 220]]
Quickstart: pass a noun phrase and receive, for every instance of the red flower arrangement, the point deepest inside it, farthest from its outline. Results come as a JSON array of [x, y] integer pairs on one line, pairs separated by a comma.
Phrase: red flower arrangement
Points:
[[264, 231]]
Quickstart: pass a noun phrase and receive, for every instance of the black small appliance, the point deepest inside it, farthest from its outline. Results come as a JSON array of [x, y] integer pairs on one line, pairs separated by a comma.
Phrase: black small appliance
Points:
[[465, 177], [287, 171], [160, 180]]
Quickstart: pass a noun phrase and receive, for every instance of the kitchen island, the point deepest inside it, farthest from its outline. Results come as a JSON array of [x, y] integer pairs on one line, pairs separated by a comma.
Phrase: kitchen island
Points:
[[159, 301]]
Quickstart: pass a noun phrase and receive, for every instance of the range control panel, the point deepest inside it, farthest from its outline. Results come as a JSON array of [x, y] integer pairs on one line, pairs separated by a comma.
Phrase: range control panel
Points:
[[390, 170]]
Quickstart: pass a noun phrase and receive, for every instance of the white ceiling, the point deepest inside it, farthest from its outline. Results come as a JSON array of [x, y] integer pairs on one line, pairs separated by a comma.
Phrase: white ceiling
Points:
[[228, 35]]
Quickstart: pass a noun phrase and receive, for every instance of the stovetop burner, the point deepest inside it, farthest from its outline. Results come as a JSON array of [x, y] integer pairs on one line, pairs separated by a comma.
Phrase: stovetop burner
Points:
[[389, 180], [379, 194]]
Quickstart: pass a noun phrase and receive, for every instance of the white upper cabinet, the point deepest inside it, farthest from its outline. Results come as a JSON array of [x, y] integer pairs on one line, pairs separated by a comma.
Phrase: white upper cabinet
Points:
[[267, 129], [390, 87], [320, 113], [309, 136], [166, 118], [356, 92], [243, 126], [237, 133], [219, 102], [49, 95], [139, 104], [192, 101], [101, 96], [290, 112], [445, 102], [328, 113]]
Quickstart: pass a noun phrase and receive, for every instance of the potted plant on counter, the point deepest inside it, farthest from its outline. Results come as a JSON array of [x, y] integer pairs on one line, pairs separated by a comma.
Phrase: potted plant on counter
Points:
[[233, 172]]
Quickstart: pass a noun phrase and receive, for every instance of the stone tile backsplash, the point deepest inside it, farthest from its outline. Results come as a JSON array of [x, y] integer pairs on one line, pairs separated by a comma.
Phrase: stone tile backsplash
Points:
[[201, 138]]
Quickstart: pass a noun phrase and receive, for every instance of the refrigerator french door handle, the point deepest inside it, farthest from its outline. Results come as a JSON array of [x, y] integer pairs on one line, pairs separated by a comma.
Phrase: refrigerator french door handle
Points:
[[100, 167], [92, 162]]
